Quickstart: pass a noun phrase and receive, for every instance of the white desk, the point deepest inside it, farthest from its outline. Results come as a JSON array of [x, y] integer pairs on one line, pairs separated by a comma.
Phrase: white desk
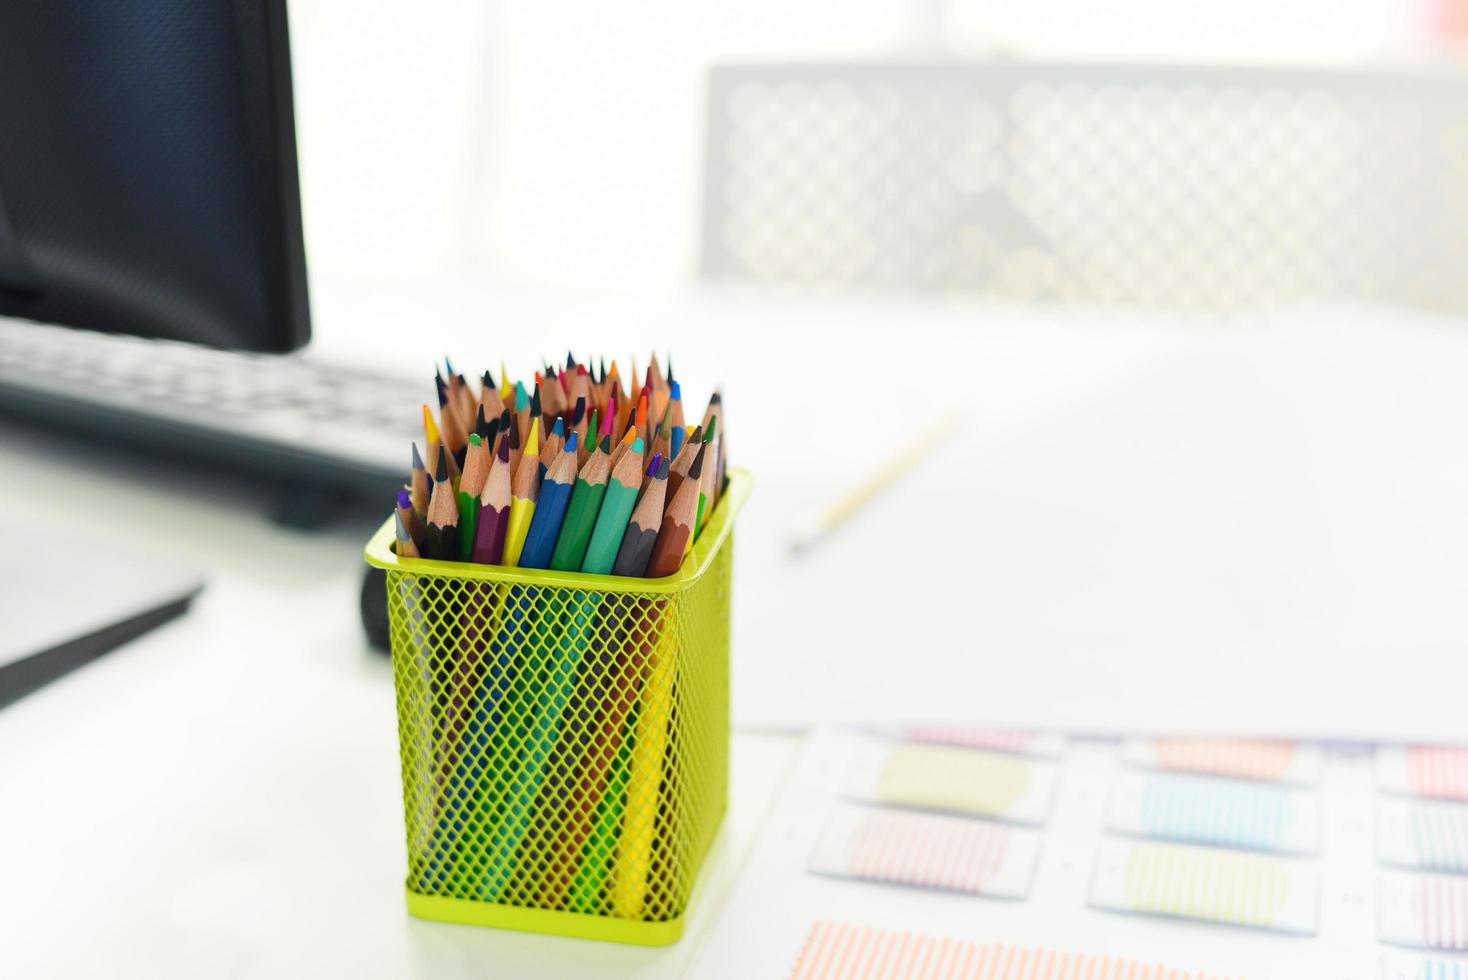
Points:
[[221, 798]]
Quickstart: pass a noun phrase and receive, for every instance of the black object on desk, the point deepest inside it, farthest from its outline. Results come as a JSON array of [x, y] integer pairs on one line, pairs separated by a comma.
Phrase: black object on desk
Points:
[[57, 621]]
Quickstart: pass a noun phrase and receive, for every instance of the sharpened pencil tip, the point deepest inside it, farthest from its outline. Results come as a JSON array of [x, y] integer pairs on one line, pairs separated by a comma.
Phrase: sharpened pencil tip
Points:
[[405, 499], [504, 453], [441, 472], [570, 446], [696, 470]]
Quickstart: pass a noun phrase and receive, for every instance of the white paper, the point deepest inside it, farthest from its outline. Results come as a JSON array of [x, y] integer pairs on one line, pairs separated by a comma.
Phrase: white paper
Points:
[[777, 901], [1147, 526]]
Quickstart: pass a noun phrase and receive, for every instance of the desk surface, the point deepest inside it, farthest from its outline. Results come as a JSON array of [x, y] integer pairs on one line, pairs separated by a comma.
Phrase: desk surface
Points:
[[221, 798]]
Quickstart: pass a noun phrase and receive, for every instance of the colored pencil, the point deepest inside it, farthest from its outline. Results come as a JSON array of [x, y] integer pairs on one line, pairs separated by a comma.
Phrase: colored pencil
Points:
[[494, 510], [409, 517], [581, 512], [550, 508], [471, 484], [675, 535], [705, 483], [676, 425], [580, 422], [683, 461], [442, 538], [642, 530], [418, 485], [616, 509], [435, 440], [554, 443], [524, 489], [406, 546]]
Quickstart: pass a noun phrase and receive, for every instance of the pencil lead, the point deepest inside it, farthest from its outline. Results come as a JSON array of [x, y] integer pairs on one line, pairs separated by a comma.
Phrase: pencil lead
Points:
[[696, 470], [474, 439], [605, 445], [636, 444], [522, 400], [604, 369], [675, 392], [663, 469], [443, 394], [559, 429], [448, 365], [717, 398], [535, 403], [441, 472], [570, 362], [570, 446], [488, 381], [480, 425], [492, 431], [580, 411], [514, 441], [697, 435], [652, 467], [671, 382], [713, 425], [405, 499], [504, 454], [417, 459], [401, 529]]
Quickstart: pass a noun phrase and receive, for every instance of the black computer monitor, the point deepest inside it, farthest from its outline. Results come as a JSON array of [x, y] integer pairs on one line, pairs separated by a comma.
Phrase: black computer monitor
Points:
[[148, 170]]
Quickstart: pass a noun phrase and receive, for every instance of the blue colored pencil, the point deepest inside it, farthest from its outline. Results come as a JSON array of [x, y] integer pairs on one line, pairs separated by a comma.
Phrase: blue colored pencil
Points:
[[550, 508]]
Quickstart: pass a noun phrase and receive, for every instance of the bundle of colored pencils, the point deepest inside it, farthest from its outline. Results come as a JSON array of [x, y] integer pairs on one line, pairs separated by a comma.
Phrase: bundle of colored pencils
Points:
[[575, 473]]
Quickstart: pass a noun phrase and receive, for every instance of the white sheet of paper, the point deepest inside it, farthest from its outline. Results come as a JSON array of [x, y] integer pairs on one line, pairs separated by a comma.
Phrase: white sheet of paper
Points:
[[1250, 528]]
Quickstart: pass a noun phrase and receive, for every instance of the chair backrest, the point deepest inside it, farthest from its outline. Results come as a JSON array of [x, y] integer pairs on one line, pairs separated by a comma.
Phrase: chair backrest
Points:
[[1157, 186]]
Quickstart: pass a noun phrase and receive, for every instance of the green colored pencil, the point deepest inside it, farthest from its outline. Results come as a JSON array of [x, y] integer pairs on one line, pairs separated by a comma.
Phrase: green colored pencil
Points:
[[581, 513], [616, 510]]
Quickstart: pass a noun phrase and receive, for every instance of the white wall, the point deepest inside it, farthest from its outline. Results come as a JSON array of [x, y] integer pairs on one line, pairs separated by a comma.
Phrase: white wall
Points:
[[555, 142]]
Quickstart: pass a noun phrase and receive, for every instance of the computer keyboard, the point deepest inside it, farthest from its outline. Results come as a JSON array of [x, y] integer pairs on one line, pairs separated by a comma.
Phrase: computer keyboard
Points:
[[284, 416]]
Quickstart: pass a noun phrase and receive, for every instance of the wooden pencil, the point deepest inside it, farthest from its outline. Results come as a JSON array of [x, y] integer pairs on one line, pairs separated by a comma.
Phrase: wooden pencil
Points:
[[580, 422], [675, 535], [442, 536], [683, 462], [405, 546], [435, 440], [418, 485], [471, 484], [641, 534], [524, 489], [616, 509], [550, 508], [676, 424], [494, 509], [581, 512], [409, 518], [554, 443], [453, 426]]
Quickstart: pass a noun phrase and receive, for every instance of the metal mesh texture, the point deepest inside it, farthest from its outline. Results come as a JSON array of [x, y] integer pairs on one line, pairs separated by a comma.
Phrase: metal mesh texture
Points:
[[562, 748], [1151, 186]]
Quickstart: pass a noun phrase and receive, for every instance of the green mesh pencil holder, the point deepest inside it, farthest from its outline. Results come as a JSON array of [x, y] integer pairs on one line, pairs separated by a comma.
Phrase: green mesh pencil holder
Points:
[[564, 737]]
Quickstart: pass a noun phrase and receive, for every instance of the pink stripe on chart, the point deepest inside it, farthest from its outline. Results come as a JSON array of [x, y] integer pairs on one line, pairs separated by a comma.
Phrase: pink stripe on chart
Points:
[[855, 951], [1242, 758], [924, 849], [1438, 771], [970, 736]]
